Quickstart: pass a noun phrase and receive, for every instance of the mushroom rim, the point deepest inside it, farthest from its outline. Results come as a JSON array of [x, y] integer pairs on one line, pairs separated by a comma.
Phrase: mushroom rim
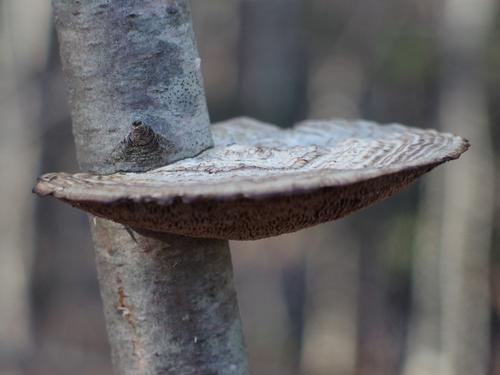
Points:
[[46, 188], [386, 186], [86, 187]]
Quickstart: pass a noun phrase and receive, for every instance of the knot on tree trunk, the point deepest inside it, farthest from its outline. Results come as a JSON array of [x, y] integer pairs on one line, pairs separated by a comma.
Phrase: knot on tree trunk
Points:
[[141, 148], [142, 136]]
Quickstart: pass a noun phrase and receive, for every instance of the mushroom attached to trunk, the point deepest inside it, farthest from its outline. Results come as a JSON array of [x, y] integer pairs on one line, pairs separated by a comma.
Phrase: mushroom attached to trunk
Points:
[[137, 100], [260, 181]]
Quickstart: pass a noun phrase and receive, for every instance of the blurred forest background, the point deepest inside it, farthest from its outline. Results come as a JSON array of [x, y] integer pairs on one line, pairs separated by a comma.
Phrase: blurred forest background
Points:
[[410, 286]]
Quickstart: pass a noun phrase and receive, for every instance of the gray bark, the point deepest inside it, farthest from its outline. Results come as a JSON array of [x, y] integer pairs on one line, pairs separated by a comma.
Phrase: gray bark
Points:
[[170, 303], [129, 62], [137, 103]]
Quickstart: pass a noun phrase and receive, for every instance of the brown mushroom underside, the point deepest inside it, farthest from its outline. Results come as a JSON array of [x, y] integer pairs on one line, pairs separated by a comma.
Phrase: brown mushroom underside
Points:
[[260, 181]]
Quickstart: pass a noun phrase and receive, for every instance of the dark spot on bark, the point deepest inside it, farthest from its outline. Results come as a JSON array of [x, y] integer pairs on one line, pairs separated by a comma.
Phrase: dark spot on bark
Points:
[[172, 9], [131, 233], [142, 149], [141, 135], [132, 16]]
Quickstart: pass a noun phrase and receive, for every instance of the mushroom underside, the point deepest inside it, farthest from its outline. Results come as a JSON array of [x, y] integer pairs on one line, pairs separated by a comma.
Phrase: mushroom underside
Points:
[[261, 181]]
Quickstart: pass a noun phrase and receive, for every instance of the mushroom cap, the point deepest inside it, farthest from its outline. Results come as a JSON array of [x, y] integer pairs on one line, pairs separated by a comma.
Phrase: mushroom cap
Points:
[[261, 181]]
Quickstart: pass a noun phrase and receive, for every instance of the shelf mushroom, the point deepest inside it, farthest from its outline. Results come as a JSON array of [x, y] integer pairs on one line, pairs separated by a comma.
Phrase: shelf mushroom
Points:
[[260, 181]]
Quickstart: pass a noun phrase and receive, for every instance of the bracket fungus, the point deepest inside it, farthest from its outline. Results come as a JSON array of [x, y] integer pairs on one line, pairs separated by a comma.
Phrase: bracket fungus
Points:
[[260, 181]]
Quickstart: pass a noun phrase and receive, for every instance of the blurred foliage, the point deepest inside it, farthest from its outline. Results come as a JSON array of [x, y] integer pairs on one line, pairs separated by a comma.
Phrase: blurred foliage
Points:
[[411, 58]]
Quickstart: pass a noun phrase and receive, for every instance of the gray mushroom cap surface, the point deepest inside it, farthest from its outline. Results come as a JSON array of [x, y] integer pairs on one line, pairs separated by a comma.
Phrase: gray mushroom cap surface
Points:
[[261, 181]]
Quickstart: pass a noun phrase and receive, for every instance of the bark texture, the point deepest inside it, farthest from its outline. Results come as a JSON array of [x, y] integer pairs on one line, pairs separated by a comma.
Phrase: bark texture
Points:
[[134, 80], [137, 103], [170, 303]]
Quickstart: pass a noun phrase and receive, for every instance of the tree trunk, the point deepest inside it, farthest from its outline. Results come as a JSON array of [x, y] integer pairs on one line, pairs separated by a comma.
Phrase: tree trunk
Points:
[[468, 204], [137, 103], [24, 34], [457, 211], [272, 75], [331, 309]]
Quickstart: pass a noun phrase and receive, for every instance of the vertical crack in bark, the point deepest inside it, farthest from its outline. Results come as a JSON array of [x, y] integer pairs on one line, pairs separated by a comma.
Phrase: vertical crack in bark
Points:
[[128, 313]]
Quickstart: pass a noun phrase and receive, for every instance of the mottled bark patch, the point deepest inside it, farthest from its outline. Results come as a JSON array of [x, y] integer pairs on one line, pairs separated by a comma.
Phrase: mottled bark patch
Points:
[[132, 59], [149, 70]]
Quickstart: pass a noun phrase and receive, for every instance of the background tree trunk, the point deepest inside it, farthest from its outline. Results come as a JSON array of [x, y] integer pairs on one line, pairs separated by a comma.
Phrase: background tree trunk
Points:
[[23, 55], [272, 60], [469, 200], [457, 211], [272, 87]]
